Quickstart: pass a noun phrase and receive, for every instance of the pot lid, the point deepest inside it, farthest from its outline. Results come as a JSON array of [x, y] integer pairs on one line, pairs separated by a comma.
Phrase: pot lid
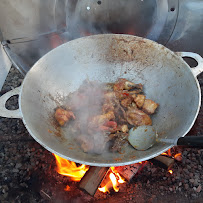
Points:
[[152, 19]]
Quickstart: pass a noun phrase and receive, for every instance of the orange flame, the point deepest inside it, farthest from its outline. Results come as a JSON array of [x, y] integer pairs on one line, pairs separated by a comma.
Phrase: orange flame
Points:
[[179, 154], [115, 180], [169, 152], [170, 171], [69, 168]]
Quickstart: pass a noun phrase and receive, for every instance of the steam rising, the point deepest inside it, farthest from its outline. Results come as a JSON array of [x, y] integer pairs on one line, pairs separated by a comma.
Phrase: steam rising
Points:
[[86, 103]]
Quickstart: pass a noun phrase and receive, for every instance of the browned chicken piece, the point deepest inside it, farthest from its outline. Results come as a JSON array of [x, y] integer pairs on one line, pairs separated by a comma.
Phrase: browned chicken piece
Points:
[[127, 101], [123, 84], [139, 100], [137, 117], [149, 106], [134, 105], [119, 85], [63, 116], [129, 85], [123, 128], [99, 120], [107, 107], [109, 95]]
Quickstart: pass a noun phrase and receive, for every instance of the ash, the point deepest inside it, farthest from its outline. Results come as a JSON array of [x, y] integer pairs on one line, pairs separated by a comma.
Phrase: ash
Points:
[[27, 170]]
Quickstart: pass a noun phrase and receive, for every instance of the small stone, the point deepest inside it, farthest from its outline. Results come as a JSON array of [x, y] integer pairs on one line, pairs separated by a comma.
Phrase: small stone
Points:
[[153, 170], [188, 166], [186, 170], [5, 195], [171, 189], [186, 186], [18, 165], [24, 185], [161, 187], [199, 188], [196, 182], [180, 184], [194, 195], [191, 180], [15, 170]]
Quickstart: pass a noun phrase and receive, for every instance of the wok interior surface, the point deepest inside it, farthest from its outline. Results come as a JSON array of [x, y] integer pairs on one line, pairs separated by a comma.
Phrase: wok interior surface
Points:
[[167, 80]]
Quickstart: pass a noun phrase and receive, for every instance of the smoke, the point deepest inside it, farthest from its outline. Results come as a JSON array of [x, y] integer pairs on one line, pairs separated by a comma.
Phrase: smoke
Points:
[[86, 103]]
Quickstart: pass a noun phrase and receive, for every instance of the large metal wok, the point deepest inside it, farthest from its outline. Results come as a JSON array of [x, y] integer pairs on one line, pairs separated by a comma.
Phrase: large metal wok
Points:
[[167, 80]]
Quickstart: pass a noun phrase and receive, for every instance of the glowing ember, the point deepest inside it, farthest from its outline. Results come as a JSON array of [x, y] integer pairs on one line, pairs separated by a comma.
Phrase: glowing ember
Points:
[[169, 152], [178, 157], [69, 168], [170, 171], [67, 188]]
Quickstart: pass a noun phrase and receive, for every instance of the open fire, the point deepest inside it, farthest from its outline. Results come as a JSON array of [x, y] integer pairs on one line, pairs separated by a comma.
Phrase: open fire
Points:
[[114, 176], [70, 169]]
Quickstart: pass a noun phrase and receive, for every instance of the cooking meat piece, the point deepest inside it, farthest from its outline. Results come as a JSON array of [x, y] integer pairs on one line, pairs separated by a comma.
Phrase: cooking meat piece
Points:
[[119, 85], [109, 126], [108, 107], [63, 116], [137, 117], [138, 86], [123, 84], [121, 94], [100, 120], [137, 89], [139, 100], [149, 106], [129, 85], [123, 128], [109, 96], [127, 101]]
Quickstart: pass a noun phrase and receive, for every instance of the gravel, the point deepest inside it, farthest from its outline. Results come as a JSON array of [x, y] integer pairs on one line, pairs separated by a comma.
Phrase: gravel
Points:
[[28, 171]]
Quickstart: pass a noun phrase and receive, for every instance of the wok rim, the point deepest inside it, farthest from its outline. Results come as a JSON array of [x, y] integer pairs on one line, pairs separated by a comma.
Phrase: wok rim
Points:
[[112, 163]]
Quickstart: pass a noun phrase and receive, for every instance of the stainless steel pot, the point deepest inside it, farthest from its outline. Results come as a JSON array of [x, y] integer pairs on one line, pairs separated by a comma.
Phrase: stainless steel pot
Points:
[[166, 77]]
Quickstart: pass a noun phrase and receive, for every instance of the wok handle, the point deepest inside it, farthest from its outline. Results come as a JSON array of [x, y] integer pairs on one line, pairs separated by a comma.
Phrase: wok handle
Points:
[[191, 141], [4, 112], [199, 68]]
